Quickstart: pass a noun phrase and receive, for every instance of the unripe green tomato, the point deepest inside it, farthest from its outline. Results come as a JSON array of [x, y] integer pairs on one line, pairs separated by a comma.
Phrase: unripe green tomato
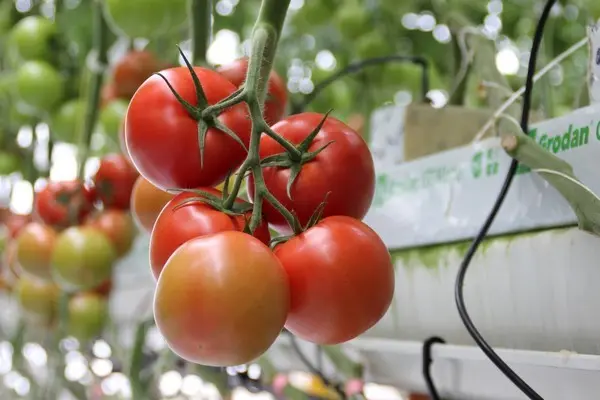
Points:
[[372, 44], [145, 18], [83, 258], [38, 299], [66, 122], [9, 163], [88, 313], [40, 86], [32, 37], [112, 117], [352, 20]]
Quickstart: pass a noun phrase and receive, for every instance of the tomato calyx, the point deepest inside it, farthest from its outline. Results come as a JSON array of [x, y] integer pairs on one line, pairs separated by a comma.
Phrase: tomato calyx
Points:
[[218, 203], [288, 160]]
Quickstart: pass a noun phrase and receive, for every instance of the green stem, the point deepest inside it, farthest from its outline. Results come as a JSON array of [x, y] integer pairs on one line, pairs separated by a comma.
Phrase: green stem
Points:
[[200, 12], [100, 46]]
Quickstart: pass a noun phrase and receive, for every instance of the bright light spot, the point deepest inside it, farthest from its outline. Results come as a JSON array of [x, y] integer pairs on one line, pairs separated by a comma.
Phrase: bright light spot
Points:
[[47, 10], [24, 6], [210, 392], [101, 349], [495, 7], [75, 370], [442, 34], [42, 132], [403, 97], [224, 48], [556, 10], [25, 137], [22, 387], [296, 5], [243, 394], [224, 8], [410, 21], [101, 367], [293, 85], [492, 23], [306, 86], [154, 340], [308, 42], [116, 383], [191, 385], [91, 167], [170, 383], [64, 162], [325, 60], [571, 12], [373, 391], [6, 353], [86, 379], [69, 344], [507, 61], [21, 201], [254, 371], [231, 371], [426, 22], [35, 354], [556, 76], [74, 356], [11, 379], [438, 98]]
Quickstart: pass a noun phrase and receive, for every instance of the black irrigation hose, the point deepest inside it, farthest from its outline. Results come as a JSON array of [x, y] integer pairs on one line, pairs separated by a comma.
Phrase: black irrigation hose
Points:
[[359, 66], [459, 297], [426, 364]]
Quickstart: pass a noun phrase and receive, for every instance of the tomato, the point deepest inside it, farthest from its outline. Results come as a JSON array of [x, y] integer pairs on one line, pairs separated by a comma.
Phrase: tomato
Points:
[[132, 70], [277, 96], [108, 94], [175, 226], [83, 258], [112, 117], [147, 201], [344, 170], [9, 163], [222, 299], [34, 249], [15, 223], [33, 36], [118, 226], [68, 120], [145, 18], [104, 289], [39, 85], [38, 299], [162, 139], [54, 201], [10, 261], [88, 313], [341, 280], [114, 181]]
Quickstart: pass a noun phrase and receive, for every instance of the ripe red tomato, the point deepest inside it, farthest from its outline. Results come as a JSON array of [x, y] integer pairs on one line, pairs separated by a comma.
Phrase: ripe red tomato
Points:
[[132, 70], [54, 202], [341, 280], [88, 313], [83, 258], [222, 299], [35, 244], [104, 289], [114, 181], [175, 226], [344, 170], [38, 299], [162, 139], [277, 96], [118, 227], [147, 201]]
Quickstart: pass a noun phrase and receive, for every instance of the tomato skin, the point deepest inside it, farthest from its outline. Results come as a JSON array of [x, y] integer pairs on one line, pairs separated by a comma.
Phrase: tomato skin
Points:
[[145, 18], [175, 226], [15, 223], [34, 249], [38, 299], [88, 313], [276, 101], [162, 139], [68, 120], [118, 227], [341, 280], [132, 70], [222, 299], [147, 201], [104, 289], [82, 259], [32, 37], [114, 181], [39, 85], [345, 170], [52, 212]]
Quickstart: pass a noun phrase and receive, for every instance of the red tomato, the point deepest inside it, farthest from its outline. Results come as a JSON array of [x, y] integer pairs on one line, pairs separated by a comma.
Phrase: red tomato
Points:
[[344, 170], [341, 280], [114, 181], [104, 289], [54, 202], [162, 138], [175, 226], [15, 223], [147, 201], [222, 299], [132, 70], [118, 226], [108, 94], [277, 95]]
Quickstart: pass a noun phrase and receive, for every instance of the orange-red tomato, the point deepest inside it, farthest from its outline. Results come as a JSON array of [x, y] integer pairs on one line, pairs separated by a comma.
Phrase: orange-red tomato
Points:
[[222, 299], [341, 280], [35, 245], [277, 96], [147, 201], [114, 181], [176, 225], [132, 70], [55, 202], [117, 225]]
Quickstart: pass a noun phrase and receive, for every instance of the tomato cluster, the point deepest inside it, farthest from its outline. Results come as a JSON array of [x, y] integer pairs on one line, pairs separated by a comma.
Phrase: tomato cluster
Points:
[[223, 294]]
